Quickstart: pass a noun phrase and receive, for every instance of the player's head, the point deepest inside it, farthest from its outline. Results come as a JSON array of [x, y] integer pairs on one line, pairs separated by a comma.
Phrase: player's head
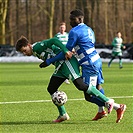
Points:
[[118, 34], [23, 46], [62, 27], [76, 17]]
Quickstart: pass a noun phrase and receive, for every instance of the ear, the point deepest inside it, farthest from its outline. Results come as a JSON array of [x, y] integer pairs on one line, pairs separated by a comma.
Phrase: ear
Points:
[[29, 45], [80, 20]]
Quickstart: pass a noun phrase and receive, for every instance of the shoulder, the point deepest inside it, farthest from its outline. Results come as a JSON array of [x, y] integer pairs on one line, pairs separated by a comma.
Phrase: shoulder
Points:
[[115, 38], [57, 34]]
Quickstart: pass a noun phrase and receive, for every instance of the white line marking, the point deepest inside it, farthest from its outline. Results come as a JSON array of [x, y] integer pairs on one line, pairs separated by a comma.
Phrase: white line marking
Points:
[[40, 101]]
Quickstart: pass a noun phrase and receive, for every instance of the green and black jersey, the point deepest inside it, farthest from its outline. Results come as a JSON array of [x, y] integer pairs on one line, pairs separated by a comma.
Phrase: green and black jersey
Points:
[[49, 48]]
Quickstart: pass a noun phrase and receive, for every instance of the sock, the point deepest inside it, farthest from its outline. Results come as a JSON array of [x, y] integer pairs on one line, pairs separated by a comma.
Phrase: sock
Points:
[[116, 106], [120, 63], [102, 91], [110, 62], [93, 90], [61, 110], [101, 109], [97, 101]]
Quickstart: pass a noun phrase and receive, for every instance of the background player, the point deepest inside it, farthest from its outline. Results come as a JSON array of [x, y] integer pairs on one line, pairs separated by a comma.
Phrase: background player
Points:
[[62, 35], [117, 49]]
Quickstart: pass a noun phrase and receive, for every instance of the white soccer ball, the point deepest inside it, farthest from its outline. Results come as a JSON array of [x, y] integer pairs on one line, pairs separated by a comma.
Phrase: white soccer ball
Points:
[[59, 98]]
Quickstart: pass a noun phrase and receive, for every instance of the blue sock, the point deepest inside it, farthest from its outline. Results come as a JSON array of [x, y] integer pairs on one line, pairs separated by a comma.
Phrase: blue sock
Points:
[[102, 91], [97, 101]]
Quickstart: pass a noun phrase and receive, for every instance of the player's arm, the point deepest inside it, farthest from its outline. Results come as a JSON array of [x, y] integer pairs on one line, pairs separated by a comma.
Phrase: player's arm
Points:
[[72, 40], [61, 55], [71, 44], [123, 46], [40, 51], [56, 42], [114, 42]]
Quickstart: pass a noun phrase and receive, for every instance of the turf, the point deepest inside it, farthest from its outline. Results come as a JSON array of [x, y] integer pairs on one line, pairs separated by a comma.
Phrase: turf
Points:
[[21, 82]]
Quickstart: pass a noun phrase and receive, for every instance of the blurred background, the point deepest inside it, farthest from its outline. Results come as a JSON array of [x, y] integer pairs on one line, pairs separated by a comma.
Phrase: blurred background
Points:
[[40, 19]]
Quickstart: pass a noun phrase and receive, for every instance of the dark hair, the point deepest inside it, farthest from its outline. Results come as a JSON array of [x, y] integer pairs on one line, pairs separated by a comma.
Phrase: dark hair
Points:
[[118, 32], [77, 13], [22, 41]]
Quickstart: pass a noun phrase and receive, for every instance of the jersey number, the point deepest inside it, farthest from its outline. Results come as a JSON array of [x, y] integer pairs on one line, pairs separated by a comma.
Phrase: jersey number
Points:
[[91, 36]]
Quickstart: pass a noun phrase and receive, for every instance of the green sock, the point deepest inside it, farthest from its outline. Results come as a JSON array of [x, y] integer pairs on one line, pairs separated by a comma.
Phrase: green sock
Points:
[[110, 62], [93, 90], [61, 110], [120, 63]]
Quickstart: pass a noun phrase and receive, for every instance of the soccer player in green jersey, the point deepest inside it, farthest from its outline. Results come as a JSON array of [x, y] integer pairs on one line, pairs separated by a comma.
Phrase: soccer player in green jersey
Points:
[[62, 35], [117, 49], [63, 69]]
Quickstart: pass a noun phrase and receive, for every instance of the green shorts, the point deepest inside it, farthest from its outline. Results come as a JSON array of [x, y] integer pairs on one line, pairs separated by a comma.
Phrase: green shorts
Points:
[[68, 69], [116, 53]]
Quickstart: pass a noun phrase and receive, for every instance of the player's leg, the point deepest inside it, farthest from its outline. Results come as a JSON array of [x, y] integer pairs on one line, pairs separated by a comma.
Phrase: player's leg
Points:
[[53, 86], [93, 76], [101, 112], [67, 81], [112, 58], [78, 82], [120, 108], [91, 90], [73, 68], [120, 61]]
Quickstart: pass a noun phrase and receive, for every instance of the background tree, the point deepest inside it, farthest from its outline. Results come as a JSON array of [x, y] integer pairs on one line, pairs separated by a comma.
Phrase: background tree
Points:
[[39, 19], [3, 14]]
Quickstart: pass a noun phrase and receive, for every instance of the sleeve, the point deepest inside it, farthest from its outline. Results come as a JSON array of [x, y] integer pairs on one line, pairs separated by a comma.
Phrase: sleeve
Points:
[[60, 56], [56, 42], [38, 51], [114, 42], [56, 36], [72, 39]]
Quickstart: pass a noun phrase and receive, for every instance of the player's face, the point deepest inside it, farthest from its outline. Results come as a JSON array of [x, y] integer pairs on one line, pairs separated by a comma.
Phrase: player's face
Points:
[[74, 21], [119, 34], [62, 28], [27, 50]]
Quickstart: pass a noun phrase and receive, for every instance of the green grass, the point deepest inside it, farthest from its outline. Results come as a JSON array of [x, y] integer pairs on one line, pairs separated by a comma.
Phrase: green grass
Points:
[[26, 82]]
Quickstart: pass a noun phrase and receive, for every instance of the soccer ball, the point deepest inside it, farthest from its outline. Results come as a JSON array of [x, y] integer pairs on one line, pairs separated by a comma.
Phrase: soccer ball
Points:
[[59, 98]]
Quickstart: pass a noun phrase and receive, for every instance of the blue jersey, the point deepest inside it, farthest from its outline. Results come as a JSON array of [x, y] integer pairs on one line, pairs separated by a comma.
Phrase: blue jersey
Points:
[[82, 38]]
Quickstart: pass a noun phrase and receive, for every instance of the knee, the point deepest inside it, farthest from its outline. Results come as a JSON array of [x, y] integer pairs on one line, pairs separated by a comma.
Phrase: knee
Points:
[[87, 97], [98, 86], [119, 57], [50, 90], [80, 85]]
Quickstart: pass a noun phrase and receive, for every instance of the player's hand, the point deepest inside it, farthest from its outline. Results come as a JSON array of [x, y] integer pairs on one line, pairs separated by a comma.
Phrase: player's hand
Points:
[[68, 55], [43, 64], [124, 47], [73, 51]]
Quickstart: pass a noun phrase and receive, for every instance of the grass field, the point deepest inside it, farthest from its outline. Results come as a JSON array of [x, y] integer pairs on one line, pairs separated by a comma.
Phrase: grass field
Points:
[[26, 107]]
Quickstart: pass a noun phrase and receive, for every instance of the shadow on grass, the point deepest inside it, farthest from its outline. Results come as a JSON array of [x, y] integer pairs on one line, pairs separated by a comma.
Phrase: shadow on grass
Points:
[[25, 122], [46, 122]]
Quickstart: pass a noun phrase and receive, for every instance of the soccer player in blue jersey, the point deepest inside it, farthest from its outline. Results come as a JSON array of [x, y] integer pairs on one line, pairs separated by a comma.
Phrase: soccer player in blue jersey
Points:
[[82, 39]]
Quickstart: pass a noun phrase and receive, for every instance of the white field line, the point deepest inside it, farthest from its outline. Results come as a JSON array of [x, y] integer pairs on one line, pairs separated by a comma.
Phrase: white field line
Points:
[[40, 101]]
